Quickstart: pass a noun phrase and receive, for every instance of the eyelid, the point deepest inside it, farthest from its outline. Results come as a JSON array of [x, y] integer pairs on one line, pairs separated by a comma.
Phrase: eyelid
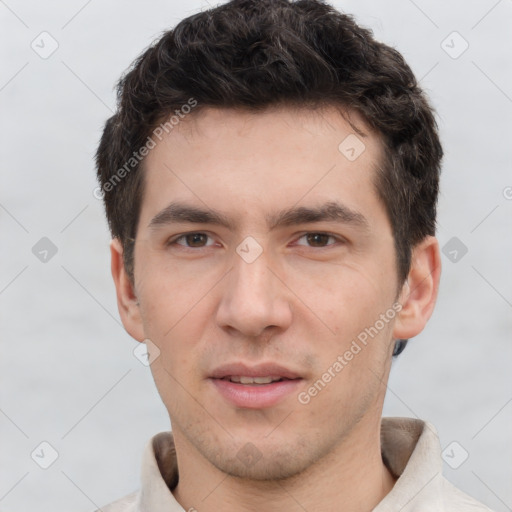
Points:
[[338, 238], [173, 240]]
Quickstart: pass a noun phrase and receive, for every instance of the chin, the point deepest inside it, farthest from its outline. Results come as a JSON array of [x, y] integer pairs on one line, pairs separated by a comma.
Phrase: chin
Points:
[[263, 467], [263, 460]]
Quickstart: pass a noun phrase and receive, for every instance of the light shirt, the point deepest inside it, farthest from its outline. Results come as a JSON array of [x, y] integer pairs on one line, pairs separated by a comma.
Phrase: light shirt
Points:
[[410, 449]]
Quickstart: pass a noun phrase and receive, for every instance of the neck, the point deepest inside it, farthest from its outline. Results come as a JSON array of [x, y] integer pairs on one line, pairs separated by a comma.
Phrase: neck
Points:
[[352, 475]]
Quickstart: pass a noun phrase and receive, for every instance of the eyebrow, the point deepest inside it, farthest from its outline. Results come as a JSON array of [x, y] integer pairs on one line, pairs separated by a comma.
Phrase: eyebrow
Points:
[[179, 212]]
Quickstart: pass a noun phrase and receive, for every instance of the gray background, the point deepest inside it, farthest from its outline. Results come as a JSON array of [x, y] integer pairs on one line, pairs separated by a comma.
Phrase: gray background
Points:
[[68, 373]]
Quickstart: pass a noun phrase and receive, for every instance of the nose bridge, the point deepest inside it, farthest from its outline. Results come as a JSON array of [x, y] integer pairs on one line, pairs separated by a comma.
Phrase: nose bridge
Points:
[[253, 277], [252, 298]]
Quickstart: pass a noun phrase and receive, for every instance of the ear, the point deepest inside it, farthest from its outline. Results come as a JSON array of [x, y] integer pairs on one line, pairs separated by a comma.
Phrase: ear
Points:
[[127, 301], [419, 292]]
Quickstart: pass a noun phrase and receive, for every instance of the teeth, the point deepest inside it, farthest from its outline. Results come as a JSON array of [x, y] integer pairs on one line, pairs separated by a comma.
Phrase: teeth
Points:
[[253, 380]]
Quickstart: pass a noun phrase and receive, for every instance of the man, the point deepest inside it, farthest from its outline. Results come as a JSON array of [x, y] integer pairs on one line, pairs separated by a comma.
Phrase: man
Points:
[[270, 180]]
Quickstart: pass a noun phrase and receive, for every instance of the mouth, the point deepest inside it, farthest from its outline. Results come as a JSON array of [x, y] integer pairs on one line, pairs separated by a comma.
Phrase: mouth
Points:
[[254, 387], [254, 381]]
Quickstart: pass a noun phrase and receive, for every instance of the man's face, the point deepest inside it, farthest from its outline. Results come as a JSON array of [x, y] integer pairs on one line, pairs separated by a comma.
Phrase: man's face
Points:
[[268, 294]]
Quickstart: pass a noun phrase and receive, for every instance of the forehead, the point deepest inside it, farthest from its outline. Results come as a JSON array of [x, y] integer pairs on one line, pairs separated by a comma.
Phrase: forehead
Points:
[[275, 158], [326, 122]]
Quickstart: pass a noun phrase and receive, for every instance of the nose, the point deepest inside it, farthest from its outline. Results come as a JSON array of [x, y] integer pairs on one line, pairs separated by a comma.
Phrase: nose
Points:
[[255, 301]]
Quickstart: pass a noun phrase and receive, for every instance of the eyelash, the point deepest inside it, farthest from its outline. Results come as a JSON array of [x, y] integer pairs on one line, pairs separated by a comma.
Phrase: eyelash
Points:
[[185, 235]]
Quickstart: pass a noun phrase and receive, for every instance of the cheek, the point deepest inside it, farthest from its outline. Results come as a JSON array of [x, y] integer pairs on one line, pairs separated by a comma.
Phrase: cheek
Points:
[[346, 300], [175, 370], [358, 309], [172, 302], [350, 373]]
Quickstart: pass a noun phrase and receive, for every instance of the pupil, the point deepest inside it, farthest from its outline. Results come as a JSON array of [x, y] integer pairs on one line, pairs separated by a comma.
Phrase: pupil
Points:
[[195, 238], [318, 237]]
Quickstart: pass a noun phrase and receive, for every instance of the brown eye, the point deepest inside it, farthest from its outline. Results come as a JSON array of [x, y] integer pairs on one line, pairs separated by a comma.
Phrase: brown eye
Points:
[[317, 239], [192, 240], [196, 239]]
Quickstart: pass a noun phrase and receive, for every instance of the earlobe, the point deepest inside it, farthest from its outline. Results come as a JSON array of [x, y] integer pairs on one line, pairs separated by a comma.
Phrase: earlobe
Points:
[[419, 292], [127, 301]]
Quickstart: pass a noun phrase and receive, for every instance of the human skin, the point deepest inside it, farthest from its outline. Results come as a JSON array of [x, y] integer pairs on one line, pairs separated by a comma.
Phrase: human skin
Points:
[[299, 304]]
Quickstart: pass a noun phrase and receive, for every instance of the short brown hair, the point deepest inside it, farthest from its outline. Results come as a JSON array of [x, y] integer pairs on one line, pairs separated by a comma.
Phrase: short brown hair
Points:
[[254, 54]]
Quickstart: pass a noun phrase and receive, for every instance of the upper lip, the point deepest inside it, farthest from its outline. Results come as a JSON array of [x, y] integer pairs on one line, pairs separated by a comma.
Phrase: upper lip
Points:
[[260, 370]]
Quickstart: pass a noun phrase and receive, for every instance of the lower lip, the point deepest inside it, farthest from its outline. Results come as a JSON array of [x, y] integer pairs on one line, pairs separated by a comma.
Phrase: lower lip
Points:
[[255, 396]]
